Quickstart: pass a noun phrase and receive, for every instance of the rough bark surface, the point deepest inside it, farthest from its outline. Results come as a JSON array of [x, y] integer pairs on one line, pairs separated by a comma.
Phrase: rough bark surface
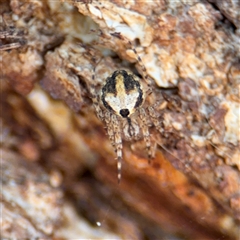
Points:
[[58, 168]]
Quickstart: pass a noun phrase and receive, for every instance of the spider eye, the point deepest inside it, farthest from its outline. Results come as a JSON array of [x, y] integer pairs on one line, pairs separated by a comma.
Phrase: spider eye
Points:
[[124, 112]]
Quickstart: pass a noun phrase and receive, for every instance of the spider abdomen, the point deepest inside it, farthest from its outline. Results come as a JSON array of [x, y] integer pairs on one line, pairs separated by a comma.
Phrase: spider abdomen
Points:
[[122, 93]]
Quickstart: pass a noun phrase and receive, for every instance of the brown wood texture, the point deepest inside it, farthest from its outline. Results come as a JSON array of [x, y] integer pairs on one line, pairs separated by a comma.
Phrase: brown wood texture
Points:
[[58, 168]]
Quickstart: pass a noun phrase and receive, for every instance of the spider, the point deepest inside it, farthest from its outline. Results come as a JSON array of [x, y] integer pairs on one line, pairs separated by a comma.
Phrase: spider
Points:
[[121, 105]]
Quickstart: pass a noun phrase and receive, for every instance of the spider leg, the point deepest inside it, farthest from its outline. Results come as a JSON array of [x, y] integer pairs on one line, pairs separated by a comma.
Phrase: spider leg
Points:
[[94, 97], [110, 129], [98, 109], [117, 143], [139, 59], [146, 135], [154, 118]]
